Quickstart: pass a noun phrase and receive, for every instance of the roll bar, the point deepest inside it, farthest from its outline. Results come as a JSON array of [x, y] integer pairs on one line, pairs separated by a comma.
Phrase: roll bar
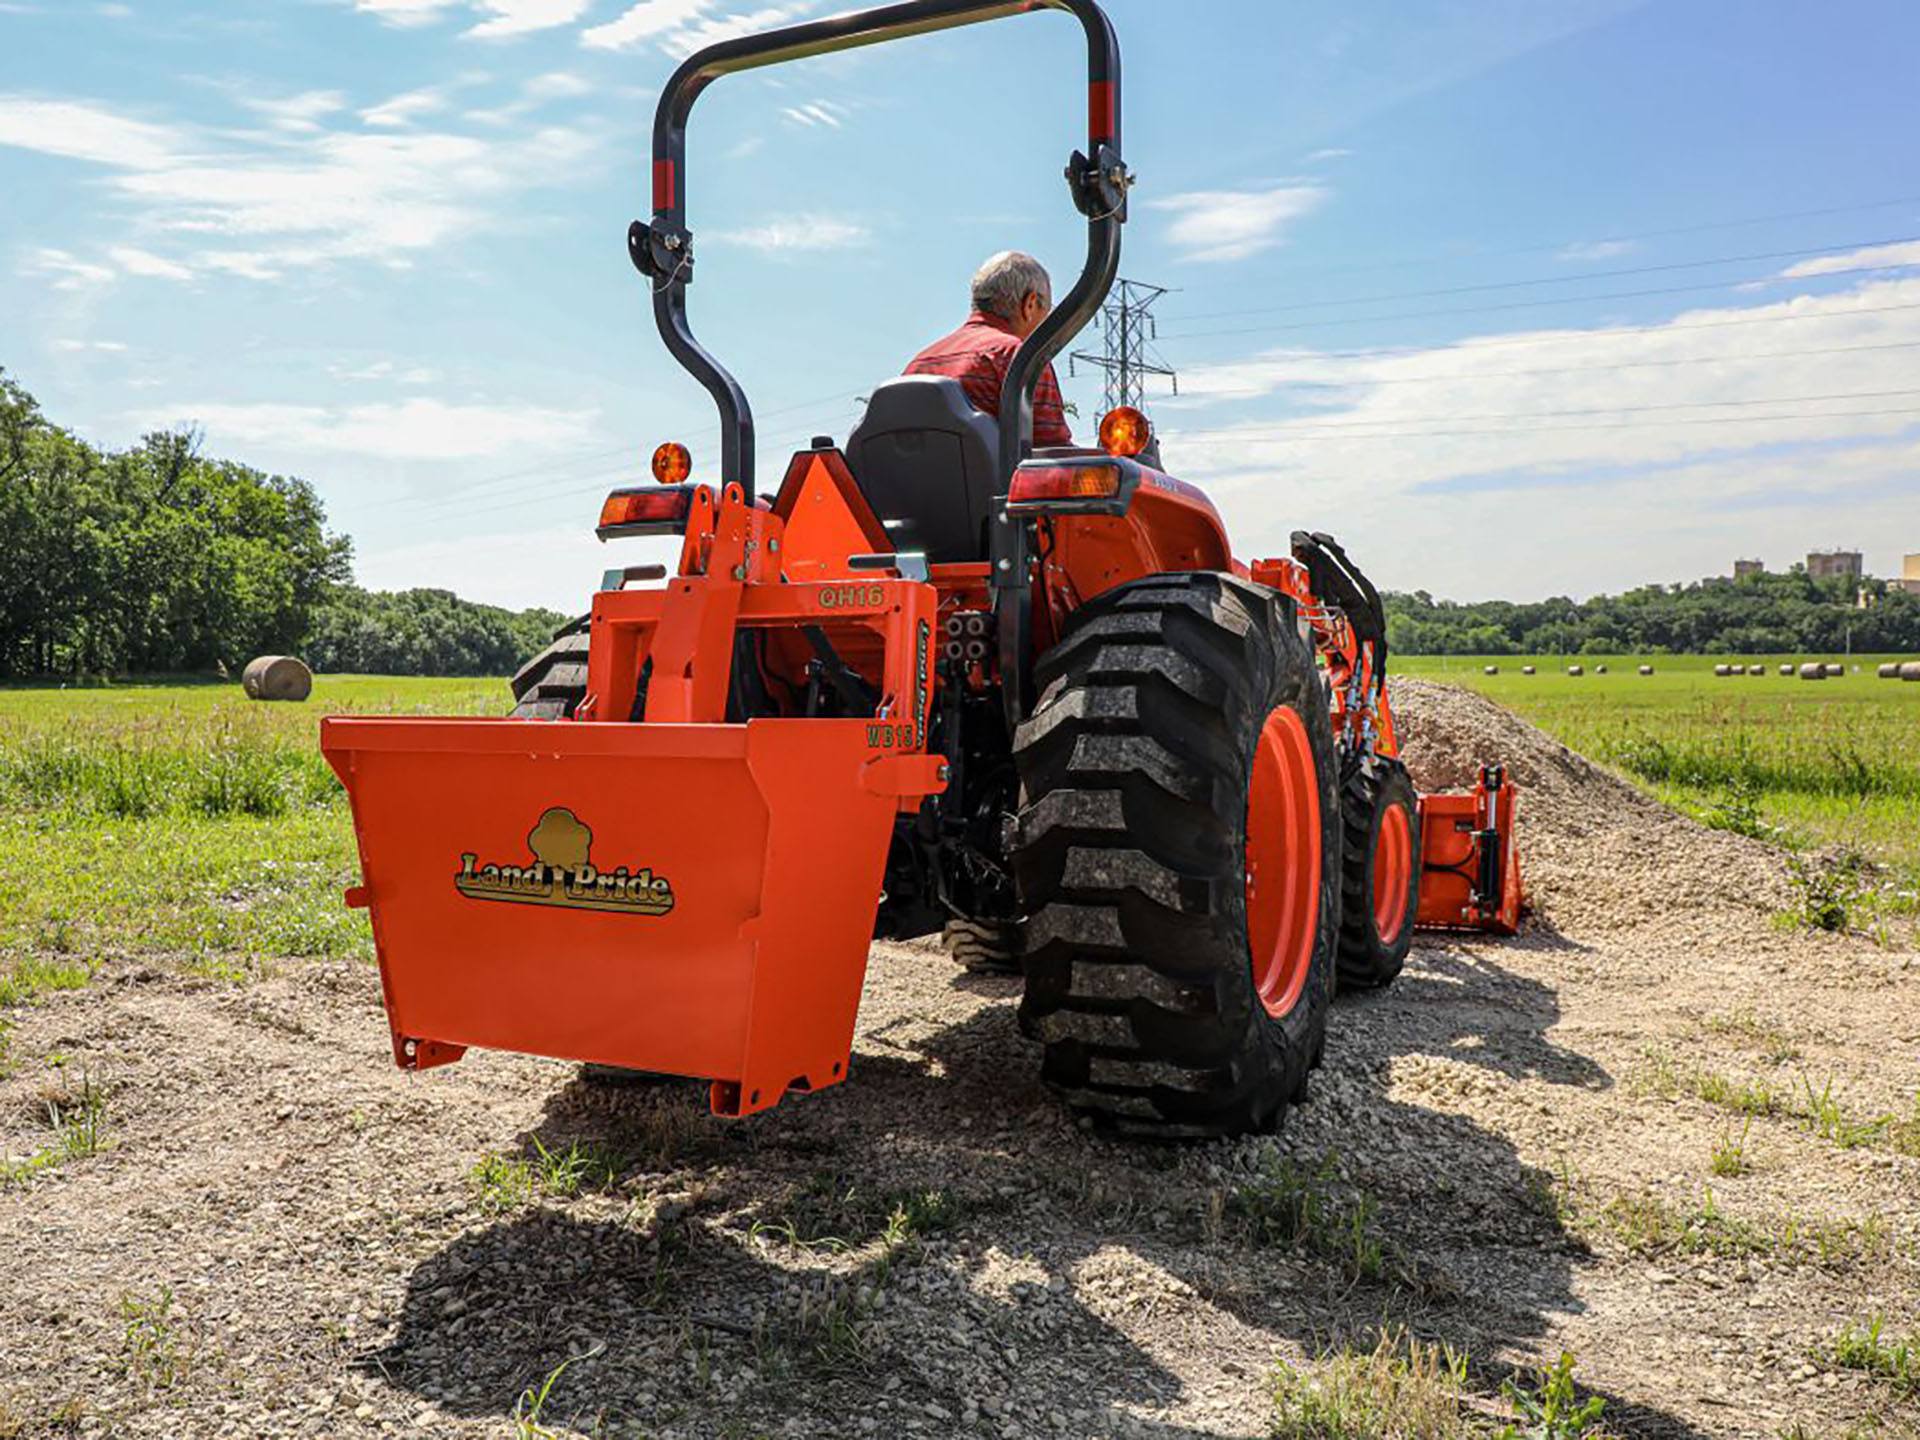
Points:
[[663, 250]]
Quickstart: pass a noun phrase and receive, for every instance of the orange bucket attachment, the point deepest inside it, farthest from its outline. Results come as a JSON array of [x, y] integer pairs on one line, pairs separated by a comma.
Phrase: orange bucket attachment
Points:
[[1469, 864], [691, 899]]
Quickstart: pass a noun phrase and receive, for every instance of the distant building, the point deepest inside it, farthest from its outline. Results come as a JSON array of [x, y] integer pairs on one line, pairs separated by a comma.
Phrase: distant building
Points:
[[1835, 565], [1743, 568], [1910, 575]]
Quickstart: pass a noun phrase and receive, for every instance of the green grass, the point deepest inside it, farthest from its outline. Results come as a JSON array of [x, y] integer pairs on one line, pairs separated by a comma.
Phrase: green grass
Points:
[[1869, 1350], [182, 819], [1826, 761], [1290, 1208], [77, 1116]]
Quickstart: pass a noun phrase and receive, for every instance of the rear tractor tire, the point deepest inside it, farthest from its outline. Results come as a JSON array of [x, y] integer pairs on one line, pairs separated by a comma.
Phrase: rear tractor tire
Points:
[[553, 683], [1381, 877], [1178, 852]]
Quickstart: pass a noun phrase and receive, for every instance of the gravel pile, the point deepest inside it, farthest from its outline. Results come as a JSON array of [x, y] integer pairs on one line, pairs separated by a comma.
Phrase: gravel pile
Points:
[[286, 1237]]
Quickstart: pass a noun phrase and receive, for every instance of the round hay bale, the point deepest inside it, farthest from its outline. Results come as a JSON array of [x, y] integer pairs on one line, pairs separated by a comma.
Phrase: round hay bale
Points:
[[1813, 671], [1834, 672], [1910, 670], [276, 677], [1646, 669], [1738, 669], [1528, 670], [1491, 670], [1576, 669], [1786, 669], [1599, 669], [1890, 672], [1722, 671], [1759, 671]]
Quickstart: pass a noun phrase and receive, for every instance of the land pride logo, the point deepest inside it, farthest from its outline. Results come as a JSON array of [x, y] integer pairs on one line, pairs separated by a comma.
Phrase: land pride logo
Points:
[[563, 873]]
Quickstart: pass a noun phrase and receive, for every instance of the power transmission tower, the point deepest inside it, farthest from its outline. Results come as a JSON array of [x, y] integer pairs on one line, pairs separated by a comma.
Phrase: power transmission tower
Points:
[[1129, 330]]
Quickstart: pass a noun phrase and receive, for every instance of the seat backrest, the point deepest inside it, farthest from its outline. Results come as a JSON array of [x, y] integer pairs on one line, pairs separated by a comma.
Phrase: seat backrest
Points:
[[928, 463]]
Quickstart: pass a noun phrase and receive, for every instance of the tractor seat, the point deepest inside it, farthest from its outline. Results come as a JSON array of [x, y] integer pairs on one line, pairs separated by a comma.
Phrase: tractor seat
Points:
[[928, 463]]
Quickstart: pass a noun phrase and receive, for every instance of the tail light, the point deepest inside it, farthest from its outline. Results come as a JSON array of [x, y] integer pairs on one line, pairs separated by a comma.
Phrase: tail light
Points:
[[659, 511], [1097, 485]]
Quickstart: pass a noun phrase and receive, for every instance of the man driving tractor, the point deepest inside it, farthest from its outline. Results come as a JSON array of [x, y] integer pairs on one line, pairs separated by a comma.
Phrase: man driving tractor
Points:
[[1012, 294]]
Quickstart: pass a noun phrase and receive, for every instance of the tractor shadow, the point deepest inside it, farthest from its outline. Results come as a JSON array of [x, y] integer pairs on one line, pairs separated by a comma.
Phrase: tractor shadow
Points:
[[730, 1280]]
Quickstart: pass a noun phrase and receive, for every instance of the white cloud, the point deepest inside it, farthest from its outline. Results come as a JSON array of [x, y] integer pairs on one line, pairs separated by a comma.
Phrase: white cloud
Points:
[[1905, 253], [104, 347], [1597, 250], [557, 85], [680, 27], [404, 12], [419, 429], [68, 270], [248, 264], [312, 196], [368, 196], [523, 17], [540, 90], [1320, 156], [648, 20], [801, 232], [557, 566], [683, 42], [403, 108], [77, 131], [740, 150], [147, 265], [1215, 225], [817, 113], [1575, 446], [385, 371], [299, 113]]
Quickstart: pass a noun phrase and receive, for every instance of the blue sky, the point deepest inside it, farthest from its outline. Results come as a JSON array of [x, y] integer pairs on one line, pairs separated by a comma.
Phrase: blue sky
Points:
[[1519, 299]]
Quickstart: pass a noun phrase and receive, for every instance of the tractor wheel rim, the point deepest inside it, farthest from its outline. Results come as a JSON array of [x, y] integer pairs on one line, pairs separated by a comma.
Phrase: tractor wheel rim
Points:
[[1392, 874], [1283, 861]]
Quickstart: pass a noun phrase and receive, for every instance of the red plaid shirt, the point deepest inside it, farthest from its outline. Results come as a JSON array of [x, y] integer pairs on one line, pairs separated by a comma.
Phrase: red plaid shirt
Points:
[[978, 355]]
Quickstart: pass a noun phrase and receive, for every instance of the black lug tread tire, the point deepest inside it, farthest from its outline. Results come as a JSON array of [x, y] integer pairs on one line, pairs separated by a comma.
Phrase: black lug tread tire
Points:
[[554, 682], [1129, 854], [986, 947], [1365, 963]]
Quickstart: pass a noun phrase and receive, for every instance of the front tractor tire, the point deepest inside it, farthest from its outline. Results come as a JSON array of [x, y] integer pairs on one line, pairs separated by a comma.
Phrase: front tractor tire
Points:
[[1381, 886], [1178, 852]]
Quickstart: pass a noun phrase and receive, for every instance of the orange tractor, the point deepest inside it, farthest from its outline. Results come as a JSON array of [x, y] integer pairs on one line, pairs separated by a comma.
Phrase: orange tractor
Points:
[[940, 680]]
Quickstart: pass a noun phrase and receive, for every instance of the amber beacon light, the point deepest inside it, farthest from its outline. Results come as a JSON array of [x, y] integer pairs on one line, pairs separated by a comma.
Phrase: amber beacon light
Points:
[[1125, 432], [672, 463]]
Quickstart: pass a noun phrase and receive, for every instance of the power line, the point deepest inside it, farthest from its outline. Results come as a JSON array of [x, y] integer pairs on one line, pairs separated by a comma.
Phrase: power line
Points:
[[1599, 410], [1567, 279], [1529, 304], [1477, 375], [1206, 437], [1406, 262], [1476, 344]]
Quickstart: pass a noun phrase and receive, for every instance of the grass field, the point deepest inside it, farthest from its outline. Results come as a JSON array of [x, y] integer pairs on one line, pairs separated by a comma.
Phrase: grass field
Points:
[[183, 819]]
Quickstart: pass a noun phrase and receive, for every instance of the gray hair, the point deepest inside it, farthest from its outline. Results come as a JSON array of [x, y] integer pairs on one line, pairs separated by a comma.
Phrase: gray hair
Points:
[[1008, 278]]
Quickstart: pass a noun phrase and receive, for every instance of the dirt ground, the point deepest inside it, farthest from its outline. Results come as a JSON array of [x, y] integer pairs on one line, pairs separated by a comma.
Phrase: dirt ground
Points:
[[285, 1235]]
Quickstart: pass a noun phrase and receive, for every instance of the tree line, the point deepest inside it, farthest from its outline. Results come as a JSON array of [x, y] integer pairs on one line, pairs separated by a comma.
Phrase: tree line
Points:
[[1789, 612], [159, 560]]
